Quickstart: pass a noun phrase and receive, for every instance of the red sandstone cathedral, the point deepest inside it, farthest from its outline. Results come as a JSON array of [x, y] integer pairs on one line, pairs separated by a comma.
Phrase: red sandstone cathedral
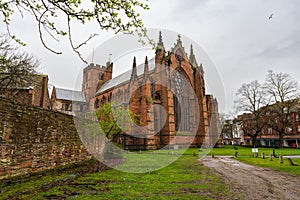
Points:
[[167, 93]]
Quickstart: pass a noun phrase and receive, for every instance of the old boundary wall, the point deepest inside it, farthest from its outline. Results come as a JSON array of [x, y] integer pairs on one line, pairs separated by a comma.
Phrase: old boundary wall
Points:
[[33, 139]]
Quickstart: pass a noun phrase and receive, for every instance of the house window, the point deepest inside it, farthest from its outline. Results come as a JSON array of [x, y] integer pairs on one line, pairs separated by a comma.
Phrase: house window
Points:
[[66, 106], [288, 129], [289, 118], [270, 130]]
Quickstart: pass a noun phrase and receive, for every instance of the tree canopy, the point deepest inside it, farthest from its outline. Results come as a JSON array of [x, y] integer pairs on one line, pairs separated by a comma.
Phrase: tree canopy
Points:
[[17, 69], [251, 97], [109, 117], [283, 92], [115, 15], [269, 104]]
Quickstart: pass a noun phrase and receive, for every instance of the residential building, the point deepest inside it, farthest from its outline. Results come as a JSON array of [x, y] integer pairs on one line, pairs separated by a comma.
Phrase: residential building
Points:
[[35, 94], [68, 101], [269, 134]]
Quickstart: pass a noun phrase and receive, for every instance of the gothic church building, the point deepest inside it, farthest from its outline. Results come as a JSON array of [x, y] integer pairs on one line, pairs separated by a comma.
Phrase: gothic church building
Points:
[[166, 93]]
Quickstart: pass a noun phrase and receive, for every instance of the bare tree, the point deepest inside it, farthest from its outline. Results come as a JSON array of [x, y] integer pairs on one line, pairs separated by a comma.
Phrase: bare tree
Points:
[[283, 91], [115, 15], [251, 98], [227, 125], [227, 130], [17, 69]]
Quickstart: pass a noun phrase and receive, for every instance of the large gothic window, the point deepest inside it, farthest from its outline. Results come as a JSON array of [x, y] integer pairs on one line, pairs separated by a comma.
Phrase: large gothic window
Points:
[[181, 101]]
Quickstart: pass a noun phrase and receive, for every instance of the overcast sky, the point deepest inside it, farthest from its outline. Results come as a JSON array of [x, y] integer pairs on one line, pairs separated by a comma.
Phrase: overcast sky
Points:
[[242, 43]]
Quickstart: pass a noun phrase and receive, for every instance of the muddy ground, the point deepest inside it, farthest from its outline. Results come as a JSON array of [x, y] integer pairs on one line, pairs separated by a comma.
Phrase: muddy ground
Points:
[[253, 182]]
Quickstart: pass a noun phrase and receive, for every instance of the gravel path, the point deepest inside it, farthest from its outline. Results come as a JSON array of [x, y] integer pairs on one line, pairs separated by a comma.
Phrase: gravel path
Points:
[[253, 182]]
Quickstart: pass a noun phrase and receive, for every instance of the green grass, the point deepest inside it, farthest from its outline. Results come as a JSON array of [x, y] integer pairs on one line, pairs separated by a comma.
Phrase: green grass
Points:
[[28, 186], [185, 178], [247, 151], [275, 164], [245, 155]]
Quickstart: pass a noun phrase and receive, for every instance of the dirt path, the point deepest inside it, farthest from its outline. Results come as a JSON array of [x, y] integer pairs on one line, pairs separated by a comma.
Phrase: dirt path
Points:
[[255, 182]]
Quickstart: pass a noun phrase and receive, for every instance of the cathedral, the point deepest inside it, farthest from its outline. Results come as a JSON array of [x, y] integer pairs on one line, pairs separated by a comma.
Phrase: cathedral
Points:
[[166, 94]]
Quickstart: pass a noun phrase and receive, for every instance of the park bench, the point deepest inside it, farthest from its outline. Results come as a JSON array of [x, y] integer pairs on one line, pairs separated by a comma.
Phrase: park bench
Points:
[[291, 162]]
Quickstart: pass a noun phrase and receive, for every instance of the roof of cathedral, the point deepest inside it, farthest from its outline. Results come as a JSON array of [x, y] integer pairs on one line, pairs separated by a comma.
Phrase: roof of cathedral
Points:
[[69, 95], [122, 78]]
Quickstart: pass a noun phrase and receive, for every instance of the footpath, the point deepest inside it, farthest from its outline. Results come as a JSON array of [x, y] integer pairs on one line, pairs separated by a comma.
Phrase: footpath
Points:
[[253, 182]]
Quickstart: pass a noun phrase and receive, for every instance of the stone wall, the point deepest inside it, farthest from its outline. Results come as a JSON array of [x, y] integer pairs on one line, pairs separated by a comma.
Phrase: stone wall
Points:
[[33, 139]]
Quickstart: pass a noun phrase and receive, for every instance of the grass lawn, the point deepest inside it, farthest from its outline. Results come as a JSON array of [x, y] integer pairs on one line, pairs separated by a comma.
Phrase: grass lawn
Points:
[[185, 178], [247, 151], [245, 155], [275, 164]]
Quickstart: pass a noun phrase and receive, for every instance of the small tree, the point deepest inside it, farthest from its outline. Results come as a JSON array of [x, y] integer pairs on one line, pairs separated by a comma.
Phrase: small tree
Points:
[[251, 98], [115, 15], [108, 118], [17, 70], [283, 93]]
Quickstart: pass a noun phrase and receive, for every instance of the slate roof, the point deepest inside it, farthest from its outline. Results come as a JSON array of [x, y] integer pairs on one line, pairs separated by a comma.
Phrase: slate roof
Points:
[[122, 78], [71, 95]]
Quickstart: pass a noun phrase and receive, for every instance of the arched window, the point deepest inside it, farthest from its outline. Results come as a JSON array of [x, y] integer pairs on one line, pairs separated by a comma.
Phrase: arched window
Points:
[[181, 101], [100, 76], [109, 97], [96, 104], [103, 100]]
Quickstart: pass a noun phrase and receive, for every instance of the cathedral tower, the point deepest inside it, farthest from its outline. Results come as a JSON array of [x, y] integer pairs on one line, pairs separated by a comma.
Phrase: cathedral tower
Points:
[[94, 76]]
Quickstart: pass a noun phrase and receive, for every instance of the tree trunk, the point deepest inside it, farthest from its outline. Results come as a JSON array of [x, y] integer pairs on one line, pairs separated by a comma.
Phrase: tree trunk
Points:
[[253, 141], [281, 140]]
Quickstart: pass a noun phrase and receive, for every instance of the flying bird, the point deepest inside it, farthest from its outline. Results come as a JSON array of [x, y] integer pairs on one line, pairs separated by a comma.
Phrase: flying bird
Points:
[[271, 16]]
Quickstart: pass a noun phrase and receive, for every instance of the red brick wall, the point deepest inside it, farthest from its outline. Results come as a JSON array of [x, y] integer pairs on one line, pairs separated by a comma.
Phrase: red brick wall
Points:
[[34, 139]]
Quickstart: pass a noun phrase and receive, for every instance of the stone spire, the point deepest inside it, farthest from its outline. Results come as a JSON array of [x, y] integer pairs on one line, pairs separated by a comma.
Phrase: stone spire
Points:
[[160, 42], [146, 68], [134, 72], [179, 42], [160, 50], [200, 67], [191, 50], [192, 57]]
